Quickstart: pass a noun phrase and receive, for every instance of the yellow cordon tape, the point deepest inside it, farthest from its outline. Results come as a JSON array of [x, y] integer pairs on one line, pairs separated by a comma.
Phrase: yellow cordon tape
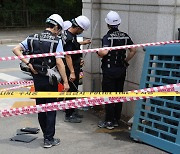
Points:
[[90, 101], [20, 94]]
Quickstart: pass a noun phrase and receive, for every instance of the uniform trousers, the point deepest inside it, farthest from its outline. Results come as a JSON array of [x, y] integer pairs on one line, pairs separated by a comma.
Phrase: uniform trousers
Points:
[[73, 88], [113, 84], [47, 120]]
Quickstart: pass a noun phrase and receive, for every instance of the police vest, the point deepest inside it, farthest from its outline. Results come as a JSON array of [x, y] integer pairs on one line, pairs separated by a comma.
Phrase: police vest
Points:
[[42, 43], [115, 58]]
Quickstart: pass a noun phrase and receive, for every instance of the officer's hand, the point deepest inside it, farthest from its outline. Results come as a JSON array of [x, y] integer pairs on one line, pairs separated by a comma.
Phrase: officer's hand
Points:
[[32, 69], [86, 42], [72, 77], [66, 86], [101, 53]]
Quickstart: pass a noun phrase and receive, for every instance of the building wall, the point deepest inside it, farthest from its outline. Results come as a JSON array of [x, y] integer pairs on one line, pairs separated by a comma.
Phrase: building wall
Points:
[[144, 21]]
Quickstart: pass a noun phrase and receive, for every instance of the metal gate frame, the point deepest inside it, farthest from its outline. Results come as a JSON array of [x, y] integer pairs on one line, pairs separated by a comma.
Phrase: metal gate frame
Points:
[[157, 120]]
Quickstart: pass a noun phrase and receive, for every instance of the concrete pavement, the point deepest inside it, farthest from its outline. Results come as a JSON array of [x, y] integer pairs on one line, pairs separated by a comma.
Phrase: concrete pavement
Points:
[[81, 138], [16, 35], [75, 138]]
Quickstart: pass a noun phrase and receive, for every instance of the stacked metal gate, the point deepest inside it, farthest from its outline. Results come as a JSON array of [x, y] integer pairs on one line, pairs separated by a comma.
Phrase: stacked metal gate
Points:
[[157, 120]]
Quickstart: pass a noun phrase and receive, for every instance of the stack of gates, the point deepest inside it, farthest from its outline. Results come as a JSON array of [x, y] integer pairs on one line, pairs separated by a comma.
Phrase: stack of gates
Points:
[[157, 120]]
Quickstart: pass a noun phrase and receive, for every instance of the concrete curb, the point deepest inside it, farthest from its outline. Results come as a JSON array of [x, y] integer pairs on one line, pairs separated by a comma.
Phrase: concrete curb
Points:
[[5, 41]]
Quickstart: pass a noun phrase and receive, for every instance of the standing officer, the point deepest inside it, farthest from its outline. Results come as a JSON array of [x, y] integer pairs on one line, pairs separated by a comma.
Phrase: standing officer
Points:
[[114, 65], [45, 42], [73, 61]]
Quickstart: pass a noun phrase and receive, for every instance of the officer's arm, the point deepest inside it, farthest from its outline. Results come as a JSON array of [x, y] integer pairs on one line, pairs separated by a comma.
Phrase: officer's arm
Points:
[[69, 63], [88, 41], [18, 52], [61, 69], [68, 47], [105, 43], [130, 54], [102, 53]]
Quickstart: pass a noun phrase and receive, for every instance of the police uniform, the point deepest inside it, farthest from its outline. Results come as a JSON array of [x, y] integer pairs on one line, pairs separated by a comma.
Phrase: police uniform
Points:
[[71, 44], [44, 42], [114, 69]]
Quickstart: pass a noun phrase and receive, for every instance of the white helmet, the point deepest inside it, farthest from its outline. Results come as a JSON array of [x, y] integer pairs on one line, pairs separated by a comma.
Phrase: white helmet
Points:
[[83, 22], [55, 19], [113, 18], [67, 24]]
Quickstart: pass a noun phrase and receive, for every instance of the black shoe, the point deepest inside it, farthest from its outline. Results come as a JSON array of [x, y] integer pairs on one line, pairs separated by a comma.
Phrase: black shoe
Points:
[[109, 125], [106, 124], [116, 123], [77, 115], [72, 119], [102, 124], [53, 142]]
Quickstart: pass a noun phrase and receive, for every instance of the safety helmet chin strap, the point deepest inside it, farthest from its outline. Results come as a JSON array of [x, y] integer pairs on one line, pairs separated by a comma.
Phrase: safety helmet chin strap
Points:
[[74, 23]]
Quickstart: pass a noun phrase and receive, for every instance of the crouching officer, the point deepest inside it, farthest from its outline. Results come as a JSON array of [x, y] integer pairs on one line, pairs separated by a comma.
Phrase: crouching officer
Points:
[[114, 65], [45, 42]]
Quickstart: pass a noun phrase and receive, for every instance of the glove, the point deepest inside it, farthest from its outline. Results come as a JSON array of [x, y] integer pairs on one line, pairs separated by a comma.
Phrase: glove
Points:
[[53, 73]]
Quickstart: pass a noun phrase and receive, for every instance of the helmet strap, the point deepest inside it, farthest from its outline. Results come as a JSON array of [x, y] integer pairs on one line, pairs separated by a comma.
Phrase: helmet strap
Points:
[[75, 23]]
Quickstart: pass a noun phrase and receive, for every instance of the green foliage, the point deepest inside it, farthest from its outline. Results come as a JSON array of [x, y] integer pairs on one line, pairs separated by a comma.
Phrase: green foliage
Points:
[[36, 11]]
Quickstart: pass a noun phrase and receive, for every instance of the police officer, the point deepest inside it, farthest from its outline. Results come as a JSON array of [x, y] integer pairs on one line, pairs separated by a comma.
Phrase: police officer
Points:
[[73, 61], [45, 42], [114, 65]]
